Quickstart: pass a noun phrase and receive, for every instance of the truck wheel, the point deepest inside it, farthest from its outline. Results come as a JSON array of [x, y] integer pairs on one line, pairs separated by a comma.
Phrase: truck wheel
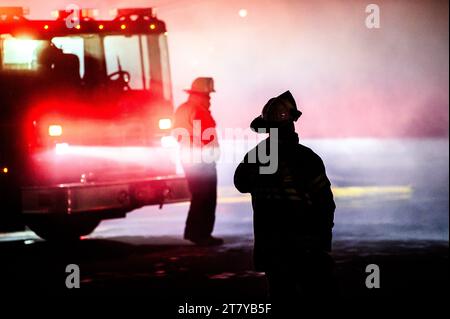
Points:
[[62, 228]]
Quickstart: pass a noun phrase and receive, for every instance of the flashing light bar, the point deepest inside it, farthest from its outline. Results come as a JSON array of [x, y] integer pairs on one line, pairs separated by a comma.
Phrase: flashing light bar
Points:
[[130, 11], [81, 14]]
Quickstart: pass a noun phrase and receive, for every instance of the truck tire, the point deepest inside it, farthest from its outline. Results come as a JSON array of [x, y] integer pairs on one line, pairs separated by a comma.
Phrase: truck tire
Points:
[[62, 228]]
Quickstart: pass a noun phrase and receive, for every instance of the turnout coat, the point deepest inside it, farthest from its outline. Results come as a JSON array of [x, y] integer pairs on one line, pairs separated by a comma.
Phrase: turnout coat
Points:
[[293, 208]]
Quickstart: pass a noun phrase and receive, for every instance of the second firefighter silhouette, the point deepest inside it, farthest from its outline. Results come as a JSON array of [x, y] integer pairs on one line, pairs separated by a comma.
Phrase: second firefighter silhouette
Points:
[[195, 118], [293, 207]]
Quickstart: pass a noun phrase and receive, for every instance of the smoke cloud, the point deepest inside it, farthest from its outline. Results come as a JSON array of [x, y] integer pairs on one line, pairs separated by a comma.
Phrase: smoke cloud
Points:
[[349, 81]]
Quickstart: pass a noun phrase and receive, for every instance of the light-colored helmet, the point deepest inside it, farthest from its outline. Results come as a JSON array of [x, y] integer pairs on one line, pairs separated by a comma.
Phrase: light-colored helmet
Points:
[[202, 85]]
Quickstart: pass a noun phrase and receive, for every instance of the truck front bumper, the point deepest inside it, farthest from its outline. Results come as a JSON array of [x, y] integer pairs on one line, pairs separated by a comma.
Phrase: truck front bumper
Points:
[[104, 197]]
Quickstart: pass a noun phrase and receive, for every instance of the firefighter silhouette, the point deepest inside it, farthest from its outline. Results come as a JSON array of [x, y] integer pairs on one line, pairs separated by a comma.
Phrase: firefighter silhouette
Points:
[[61, 67], [293, 209], [201, 176]]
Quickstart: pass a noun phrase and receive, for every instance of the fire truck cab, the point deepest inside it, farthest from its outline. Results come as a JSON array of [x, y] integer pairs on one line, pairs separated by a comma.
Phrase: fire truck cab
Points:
[[85, 120]]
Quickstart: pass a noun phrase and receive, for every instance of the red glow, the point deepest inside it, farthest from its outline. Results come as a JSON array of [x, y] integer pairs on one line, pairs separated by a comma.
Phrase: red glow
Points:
[[68, 136], [65, 163], [349, 81]]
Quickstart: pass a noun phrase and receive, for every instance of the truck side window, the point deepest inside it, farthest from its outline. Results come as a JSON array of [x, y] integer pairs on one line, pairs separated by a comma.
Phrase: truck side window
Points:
[[21, 54]]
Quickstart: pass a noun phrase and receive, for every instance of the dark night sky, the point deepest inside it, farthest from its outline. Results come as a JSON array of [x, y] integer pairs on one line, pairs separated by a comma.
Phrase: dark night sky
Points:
[[349, 80]]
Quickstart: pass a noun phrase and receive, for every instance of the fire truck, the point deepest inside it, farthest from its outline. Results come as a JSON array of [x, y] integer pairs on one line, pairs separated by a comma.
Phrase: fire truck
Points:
[[85, 120]]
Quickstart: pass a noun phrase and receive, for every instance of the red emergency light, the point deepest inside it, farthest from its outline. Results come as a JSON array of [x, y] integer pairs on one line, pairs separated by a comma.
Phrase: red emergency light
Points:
[[150, 12], [127, 20], [13, 11], [82, 14]]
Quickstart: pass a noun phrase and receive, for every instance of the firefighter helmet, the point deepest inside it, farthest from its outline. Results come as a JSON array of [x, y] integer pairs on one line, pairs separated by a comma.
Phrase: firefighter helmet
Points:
[[277, 112], [202, 86]]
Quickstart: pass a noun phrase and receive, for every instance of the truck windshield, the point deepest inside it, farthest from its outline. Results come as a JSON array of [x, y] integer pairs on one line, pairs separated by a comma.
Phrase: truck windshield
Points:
[[131, 52], [144, 57]]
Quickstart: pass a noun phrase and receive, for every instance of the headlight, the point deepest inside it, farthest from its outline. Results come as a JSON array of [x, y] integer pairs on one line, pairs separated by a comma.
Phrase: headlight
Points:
[[55, 130], [165, 124]]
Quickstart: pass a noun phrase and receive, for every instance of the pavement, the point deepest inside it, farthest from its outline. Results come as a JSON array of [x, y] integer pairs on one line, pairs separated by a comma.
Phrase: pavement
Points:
[[398, 224], [145, 254]]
